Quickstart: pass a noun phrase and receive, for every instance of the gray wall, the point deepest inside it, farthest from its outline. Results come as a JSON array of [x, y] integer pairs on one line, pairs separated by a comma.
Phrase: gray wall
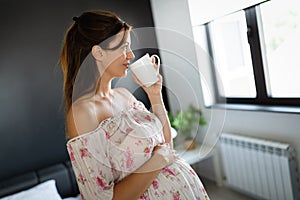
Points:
[[31, 119]]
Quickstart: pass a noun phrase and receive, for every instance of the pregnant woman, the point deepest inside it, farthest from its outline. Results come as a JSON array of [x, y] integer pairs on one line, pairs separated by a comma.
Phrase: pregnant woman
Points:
[[118, 149]]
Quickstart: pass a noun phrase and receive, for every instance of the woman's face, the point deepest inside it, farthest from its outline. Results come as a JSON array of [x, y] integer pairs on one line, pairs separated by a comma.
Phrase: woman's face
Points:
[[116, 61]]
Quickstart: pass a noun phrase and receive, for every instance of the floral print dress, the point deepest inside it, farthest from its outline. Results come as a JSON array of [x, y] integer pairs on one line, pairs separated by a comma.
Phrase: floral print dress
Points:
[[119, 146]]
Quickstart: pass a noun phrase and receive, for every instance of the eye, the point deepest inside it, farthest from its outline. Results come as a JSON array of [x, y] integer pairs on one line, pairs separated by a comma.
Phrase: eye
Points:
[[126, 47]]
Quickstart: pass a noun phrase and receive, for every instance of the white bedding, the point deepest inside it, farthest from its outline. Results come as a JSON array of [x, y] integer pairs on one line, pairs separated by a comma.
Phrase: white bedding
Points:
[[38, 192], [73, 198], [46, 190]]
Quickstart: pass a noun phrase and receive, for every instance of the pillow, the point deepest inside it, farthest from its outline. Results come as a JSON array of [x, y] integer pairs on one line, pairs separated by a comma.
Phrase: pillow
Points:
[[78, 197], [46, 190]]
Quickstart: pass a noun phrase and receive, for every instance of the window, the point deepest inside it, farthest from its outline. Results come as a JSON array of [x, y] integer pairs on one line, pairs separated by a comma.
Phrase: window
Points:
[[281, 24], [232, 52], [255, 53]]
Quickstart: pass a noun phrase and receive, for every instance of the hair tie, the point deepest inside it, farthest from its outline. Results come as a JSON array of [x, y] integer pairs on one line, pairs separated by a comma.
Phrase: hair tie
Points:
[[75, 19], [121, 22]]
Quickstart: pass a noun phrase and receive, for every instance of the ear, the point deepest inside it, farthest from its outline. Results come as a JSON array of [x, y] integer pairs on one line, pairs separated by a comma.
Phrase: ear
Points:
[[97, 52]]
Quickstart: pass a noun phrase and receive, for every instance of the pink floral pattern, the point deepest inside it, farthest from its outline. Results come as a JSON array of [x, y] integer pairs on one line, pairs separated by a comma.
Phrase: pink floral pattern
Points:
[[119, 146], [155, 184], [129, 159], [101, 183], [83, 152]]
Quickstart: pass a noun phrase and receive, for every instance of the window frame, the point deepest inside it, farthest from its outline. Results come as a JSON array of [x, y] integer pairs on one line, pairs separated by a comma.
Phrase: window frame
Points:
[[255, 38]]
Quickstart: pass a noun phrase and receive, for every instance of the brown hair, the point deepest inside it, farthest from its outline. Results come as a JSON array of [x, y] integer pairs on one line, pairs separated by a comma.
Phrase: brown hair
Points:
[[89, 29]]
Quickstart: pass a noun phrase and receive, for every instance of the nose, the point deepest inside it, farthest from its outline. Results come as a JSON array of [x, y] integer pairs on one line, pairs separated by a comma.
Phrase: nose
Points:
[[130, 55]]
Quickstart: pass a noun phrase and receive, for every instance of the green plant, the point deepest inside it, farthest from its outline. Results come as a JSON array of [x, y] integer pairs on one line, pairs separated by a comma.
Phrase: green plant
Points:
[[185, 122]]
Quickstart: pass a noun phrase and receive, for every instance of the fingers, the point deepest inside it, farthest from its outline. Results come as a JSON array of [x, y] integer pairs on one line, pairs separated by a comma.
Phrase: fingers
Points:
[[154, 64], [169, 155], [159, 78], [153, 59], [156, 67]]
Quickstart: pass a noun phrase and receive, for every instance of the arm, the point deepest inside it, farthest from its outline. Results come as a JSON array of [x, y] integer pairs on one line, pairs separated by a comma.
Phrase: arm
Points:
[[157, 104], [135, 184], [158, 108]]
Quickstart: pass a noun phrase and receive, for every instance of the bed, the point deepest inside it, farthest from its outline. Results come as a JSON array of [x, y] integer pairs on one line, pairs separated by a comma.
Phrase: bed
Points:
[[53, 182]]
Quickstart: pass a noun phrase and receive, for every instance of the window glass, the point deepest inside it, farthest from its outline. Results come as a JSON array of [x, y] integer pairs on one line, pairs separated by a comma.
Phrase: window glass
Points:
[[205, 64], [280, 21], [232, 56]]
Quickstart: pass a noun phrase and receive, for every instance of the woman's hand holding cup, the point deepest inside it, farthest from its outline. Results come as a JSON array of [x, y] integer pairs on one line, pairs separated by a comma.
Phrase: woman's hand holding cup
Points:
[[146, 74]]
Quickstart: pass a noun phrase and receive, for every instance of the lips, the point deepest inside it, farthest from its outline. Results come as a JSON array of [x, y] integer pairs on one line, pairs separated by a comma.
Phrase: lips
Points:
[[126, 65]]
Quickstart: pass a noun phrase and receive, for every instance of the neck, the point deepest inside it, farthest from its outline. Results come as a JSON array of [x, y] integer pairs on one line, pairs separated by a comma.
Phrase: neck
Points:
[[104, 87]]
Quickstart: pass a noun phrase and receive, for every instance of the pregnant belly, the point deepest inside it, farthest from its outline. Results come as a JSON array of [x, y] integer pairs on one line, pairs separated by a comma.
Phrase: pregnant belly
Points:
[[176, 181], [177, 176]]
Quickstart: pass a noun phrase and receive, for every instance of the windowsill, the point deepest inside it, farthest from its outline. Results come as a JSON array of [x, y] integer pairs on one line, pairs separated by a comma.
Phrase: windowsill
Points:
[[263, 108], [193, 156]]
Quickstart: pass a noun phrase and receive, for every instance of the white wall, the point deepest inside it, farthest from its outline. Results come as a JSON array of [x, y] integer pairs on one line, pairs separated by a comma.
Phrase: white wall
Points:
[[203, 11], [282, 127], [179, 63]]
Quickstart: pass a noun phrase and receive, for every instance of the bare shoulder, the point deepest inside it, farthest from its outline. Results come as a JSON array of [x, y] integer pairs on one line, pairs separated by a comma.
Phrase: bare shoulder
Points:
[[85, 114], [81, 118]]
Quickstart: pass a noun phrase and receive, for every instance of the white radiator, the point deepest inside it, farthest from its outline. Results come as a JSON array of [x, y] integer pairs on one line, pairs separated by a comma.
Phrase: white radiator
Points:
[[260, 168]]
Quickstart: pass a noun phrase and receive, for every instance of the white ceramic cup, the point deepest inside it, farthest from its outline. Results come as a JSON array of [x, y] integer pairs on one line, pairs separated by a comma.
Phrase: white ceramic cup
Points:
[[144, 69]]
